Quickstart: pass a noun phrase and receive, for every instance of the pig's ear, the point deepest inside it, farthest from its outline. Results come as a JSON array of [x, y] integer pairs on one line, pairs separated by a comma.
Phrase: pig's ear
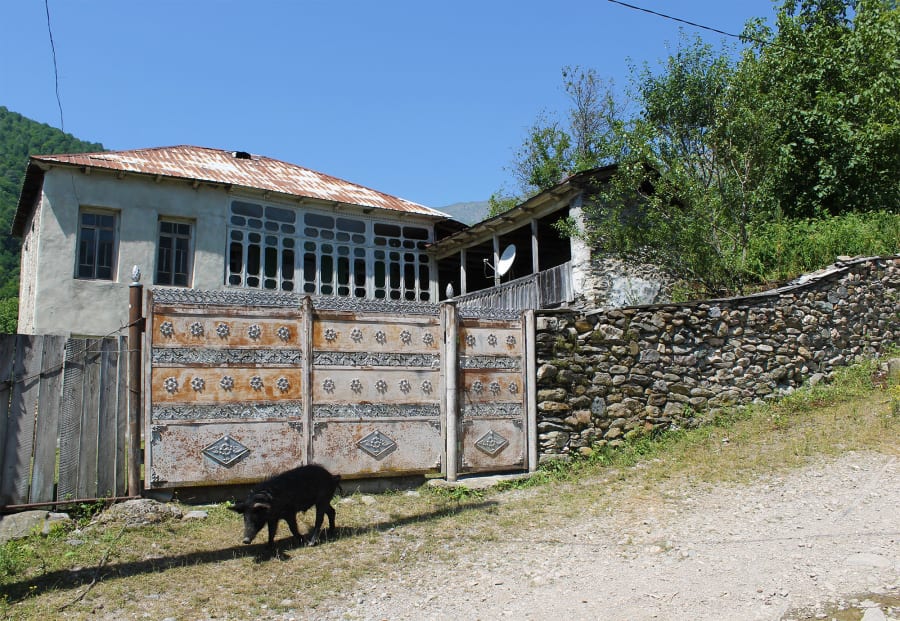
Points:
[[261, 506], [238, 507]]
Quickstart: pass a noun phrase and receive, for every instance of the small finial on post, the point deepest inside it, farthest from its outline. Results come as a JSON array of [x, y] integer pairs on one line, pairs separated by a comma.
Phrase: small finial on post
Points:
[[135, 275]]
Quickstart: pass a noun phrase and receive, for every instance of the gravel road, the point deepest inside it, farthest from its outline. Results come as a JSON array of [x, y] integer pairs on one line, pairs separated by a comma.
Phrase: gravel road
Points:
[[822, 542]]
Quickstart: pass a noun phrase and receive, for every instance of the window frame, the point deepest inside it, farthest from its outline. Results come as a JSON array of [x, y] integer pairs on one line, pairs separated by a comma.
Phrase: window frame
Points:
[[189, 251], [96, 243], [327, 261]]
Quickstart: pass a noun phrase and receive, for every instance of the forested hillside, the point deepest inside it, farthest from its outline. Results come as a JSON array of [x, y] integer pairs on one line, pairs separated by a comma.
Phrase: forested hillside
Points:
[[19, 138]]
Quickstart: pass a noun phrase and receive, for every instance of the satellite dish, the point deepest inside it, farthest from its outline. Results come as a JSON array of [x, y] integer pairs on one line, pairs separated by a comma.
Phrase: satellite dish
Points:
[[506, 259]]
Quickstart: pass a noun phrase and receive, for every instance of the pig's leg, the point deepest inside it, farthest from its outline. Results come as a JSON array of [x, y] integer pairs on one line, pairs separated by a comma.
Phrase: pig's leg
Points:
[[273, 526], [314, 535], [291, 519], [330, 511]]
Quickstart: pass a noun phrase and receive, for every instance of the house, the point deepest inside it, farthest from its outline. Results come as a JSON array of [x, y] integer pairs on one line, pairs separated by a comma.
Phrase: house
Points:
[[523, 258], [207, 219], [210, 219]]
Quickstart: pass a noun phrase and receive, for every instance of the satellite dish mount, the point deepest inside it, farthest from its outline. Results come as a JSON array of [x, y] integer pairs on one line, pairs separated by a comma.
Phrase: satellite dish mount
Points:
[[505, 262]]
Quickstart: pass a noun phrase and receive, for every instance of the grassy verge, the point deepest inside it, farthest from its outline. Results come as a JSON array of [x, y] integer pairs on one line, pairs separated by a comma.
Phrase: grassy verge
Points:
[[199, 569]]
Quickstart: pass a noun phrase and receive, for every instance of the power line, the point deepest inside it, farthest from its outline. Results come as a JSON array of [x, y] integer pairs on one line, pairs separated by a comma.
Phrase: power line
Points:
[[55, 69], [689, 23]]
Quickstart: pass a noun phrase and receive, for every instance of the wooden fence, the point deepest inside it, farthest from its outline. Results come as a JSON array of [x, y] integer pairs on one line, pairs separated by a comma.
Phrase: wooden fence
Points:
[[63, 419]]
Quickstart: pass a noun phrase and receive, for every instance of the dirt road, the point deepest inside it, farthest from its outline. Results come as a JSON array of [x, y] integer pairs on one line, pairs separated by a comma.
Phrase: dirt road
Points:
[[791, 546]]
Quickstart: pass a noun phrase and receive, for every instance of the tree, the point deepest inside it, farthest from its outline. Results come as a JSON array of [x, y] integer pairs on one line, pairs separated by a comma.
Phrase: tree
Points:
[[828, 80], [804, 126], [687, 160], [553, 150]]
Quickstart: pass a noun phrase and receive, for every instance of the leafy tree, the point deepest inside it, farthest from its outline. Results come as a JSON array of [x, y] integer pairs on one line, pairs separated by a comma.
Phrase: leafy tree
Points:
[[828, 82], [553, 150], [686, 157], [805, 125]]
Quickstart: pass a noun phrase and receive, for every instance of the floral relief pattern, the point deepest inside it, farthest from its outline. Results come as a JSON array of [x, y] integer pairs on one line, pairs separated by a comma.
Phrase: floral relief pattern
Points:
[[196, 329], [223, 330], [198, 384], [227, 382], [254, 331], [171, 385], [166, 329]]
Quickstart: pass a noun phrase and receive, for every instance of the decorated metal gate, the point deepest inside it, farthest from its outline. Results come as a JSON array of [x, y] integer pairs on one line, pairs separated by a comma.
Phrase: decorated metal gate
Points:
[[241, 385]]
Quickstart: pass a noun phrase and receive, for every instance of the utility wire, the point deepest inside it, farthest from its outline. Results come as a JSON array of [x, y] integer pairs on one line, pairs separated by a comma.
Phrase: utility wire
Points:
[[689, 23], [55, 69]]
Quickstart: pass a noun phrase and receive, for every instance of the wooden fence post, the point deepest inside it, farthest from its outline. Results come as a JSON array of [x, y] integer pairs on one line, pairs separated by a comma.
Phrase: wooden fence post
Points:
[[135, 328], [451, 370]]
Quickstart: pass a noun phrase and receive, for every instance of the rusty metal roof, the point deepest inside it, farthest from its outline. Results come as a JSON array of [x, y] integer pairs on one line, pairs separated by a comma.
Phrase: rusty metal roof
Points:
[[239, 168]]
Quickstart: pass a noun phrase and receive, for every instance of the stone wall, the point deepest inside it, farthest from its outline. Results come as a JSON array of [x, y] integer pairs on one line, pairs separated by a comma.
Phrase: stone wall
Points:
[[605, 374], [608, 282]]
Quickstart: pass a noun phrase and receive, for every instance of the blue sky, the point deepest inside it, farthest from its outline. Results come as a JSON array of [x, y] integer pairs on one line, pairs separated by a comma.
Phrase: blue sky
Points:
[[424, 100]]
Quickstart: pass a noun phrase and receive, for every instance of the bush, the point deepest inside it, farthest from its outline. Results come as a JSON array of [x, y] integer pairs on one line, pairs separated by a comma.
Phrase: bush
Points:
[[9, 315], [787, 248]]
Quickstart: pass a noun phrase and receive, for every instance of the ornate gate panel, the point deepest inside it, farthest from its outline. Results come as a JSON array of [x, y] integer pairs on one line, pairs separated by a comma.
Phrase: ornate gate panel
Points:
[[240, 385], [492, 394], [224, 388], [376, 390]]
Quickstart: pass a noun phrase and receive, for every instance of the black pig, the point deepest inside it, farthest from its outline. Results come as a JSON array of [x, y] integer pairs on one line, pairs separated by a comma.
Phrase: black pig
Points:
[[282, 496]]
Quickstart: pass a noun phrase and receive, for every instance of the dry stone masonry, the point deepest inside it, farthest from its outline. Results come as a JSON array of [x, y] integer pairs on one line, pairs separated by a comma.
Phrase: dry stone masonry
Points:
[[606, 375]]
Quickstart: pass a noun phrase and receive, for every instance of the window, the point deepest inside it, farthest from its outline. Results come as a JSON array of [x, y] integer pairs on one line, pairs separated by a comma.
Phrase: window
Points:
[[96, 245], [326, 254], [173, 258]]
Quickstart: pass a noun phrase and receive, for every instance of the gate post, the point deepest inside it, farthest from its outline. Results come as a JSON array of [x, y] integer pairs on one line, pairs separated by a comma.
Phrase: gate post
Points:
[[531, 394], [135, 327], [451, 372]]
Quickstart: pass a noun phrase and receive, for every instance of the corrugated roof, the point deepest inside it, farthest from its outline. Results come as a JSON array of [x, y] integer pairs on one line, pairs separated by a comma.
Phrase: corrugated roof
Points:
[[239, 169]]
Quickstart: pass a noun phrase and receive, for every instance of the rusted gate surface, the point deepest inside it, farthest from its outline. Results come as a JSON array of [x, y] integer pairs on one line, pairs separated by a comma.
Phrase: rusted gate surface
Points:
[[492, 385], [242, 385]]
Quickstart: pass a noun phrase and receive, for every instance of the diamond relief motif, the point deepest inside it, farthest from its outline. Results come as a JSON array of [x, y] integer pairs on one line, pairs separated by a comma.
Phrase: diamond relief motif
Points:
[[377, 445], [491, 443], [226, 451]]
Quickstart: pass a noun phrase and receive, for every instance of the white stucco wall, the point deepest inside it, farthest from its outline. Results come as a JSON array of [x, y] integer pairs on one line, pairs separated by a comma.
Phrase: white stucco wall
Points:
[[63, 304], [59, 303]]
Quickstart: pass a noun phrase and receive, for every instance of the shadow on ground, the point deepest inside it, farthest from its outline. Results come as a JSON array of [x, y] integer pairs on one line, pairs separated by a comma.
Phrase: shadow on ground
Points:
[[65, 579]]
